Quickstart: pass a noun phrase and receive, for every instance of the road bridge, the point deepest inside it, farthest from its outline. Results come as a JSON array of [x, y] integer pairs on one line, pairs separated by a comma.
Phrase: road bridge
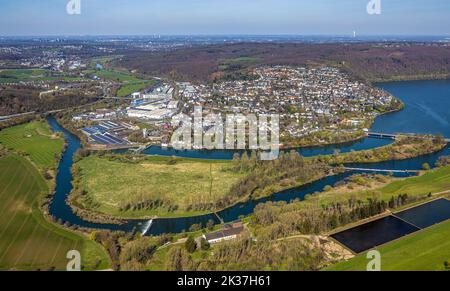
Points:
[[395, 135]]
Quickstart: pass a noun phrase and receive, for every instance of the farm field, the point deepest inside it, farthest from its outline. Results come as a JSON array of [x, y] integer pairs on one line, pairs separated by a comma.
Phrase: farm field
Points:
[[27, 240], [29, 75], [111, 185], [36, 140], [427, 250]]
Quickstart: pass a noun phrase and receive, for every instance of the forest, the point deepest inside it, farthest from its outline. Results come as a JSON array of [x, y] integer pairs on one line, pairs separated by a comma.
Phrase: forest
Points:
[[368, 61]]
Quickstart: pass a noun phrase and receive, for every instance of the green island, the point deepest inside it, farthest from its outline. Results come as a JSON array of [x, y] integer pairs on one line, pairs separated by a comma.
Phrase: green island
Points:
[[29, 154]]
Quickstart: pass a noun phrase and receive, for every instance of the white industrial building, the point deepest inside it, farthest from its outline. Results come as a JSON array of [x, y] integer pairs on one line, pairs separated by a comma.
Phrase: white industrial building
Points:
[[157, 114]]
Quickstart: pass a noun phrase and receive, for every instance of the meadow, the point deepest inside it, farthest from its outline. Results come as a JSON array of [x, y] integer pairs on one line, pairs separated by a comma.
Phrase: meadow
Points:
[[129, 83], [426, 250], [30, 75], [36, 140], [111, 185], [128, 89]]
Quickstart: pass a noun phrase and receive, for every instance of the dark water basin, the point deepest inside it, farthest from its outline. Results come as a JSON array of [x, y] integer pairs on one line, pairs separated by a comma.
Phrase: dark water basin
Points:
[[427, 215], [375, 233]]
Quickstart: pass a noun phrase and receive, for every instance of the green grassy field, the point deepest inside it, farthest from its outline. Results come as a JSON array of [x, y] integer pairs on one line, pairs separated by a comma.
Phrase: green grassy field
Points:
[[29, 75], [14, 76], [130, 83], [426, 250], [112, 184], [36, 140], [27, 240], [128, 89], [114, 75]]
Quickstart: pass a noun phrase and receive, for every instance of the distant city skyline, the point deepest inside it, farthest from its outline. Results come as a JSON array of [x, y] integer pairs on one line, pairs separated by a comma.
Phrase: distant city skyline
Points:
[[230, 17]]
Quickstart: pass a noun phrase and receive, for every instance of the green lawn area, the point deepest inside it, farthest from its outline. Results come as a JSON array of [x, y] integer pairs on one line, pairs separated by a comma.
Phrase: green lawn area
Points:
[[426, 250], [112, 184], [36, 140], [27, 240]]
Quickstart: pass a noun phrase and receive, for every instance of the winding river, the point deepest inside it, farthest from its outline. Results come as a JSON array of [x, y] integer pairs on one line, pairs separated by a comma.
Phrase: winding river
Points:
[[426, 111]]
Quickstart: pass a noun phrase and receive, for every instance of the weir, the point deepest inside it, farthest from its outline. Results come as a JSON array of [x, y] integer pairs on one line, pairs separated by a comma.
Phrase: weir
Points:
[[383, 170], [147, 227]]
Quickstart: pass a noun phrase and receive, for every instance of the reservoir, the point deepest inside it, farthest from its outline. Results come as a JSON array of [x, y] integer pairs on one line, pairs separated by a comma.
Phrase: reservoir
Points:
[[381, 231], [428, 214], [429, 100], [374, 233]]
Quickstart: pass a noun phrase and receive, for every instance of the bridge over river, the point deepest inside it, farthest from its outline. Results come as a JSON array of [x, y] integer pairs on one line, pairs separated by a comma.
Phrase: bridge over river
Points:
[[395, 135]]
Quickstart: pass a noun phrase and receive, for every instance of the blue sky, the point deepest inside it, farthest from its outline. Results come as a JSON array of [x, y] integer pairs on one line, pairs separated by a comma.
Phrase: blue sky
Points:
[[301, 17]]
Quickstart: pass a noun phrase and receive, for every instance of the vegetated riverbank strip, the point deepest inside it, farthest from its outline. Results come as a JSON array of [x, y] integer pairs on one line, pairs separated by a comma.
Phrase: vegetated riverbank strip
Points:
[[403, 78]]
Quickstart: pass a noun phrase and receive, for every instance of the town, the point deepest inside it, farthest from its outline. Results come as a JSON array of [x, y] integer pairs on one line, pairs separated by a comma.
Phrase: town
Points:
[[307, 101]]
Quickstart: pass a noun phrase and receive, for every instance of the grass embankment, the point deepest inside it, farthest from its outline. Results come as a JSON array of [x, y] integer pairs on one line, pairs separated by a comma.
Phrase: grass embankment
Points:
[[27, 240], [427, 250], [172, 186]]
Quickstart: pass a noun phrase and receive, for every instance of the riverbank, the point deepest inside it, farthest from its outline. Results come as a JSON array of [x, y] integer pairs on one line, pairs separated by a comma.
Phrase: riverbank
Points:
[[402, 149]]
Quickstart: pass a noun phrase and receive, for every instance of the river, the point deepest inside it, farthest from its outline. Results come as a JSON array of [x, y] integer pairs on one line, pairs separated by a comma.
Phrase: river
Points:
[[426, 111]]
